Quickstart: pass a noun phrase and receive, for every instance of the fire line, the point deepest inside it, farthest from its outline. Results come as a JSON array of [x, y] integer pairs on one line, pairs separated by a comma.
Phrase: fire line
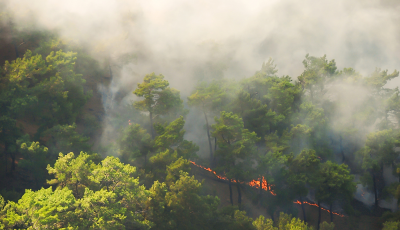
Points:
[[265, 186], [253, 183]]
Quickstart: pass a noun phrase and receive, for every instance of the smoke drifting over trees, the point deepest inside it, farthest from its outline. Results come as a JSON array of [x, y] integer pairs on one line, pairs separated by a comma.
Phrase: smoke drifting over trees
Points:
[[301, 96], [205, 39]]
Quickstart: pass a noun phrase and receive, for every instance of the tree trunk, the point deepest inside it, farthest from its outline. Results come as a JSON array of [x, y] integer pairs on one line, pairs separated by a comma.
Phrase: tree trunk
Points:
[[13, 162], [239, 194], [13, 41], [16, 49], [215, 146], [230, 191], [261, 180], [5, 157], [341, 149], [302, 208], [319, 215], [272, 216], [375, 191], [153, 134], [209, 138], [330, 210]]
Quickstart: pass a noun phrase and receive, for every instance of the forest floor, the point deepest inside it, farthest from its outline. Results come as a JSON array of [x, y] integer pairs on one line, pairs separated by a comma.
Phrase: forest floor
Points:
[[221, 189]]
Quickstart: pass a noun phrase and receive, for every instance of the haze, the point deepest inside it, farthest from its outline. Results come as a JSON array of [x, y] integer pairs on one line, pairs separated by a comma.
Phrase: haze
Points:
[[181, 38]]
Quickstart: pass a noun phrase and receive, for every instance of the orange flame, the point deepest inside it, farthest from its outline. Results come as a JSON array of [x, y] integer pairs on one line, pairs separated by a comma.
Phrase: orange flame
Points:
[[265, 186], [253, 183], [316, 205]]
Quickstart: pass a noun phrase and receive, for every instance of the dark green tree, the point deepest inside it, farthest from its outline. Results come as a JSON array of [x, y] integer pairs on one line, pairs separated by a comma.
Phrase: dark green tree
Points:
[[65, 138], [207, 97], [34, 159], [333, 182], [134, 142], [302, 171], [158, 98], [318, 71], [236, 146], [377, 152]]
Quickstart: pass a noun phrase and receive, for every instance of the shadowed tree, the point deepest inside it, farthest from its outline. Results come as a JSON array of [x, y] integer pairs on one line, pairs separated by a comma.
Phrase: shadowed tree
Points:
[[301, 171], [134, 142], [317, 72], [150, 89], [207, 98], [171, 137], [179, 206], [377, 152], [332, 182], [236, 146], [159, 99], [33, 159]]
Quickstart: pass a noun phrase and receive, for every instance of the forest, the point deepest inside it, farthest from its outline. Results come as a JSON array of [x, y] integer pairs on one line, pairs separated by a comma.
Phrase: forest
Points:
[[319, 150]]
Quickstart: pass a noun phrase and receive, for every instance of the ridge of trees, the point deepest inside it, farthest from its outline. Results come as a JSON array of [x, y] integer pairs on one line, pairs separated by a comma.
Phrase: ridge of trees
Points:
[[301, 136]]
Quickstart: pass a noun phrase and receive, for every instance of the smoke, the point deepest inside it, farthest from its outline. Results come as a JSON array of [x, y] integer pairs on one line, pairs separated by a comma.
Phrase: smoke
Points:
[[201, 40], [189, 41], [177, 37]]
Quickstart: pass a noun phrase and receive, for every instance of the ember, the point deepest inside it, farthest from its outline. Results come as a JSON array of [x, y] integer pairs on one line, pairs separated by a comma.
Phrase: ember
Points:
[[265, 186], [253, 183], [316, 205]]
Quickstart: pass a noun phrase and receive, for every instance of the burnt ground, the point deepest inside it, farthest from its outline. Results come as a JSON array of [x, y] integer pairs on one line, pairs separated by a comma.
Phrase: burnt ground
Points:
[[221, 189]]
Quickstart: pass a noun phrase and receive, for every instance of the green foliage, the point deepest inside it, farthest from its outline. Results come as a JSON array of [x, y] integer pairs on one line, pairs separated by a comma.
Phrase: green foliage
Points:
[[158, 98], [171, 137], [49, 88], [302, 170], [99, 210], [41, 209], [160, 161], [302, 124], [64, 138], [255, 115], [240, 221], [208, 97], [327, 226], [317, 72], [175, 169], [279, 94], [114, 175], [180, 206], [234, 143], [268, 68], [134, 142], [108, 195], [2, 212], [379, 78], [34, 159], [286, 222], [91, 125], [183, 196], [378, 150], [169, 104], [149, 89], [334, 182], [72, 172], [261, 223], [391, 225]]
